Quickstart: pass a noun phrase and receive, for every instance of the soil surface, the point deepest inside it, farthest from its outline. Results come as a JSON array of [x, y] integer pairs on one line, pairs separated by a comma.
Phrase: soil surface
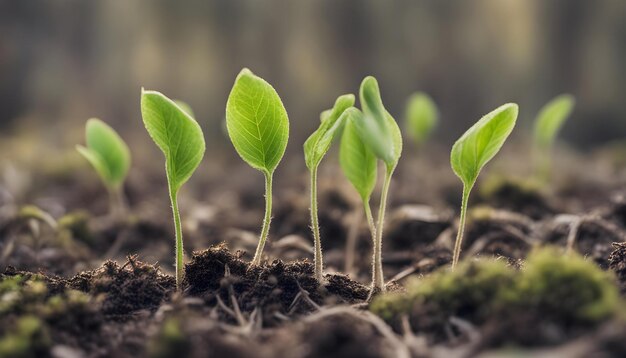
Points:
[[85, 285]]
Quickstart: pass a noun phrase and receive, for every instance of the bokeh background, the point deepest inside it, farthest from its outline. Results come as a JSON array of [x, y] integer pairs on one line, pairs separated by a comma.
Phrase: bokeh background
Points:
[[62, 62]]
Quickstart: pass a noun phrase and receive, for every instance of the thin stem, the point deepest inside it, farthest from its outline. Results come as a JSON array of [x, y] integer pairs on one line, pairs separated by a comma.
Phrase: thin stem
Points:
[[378, 282], [352, 239], [372, 226], [266, 220], [180, 254], [459, 235], [117, 202], [315, 227]]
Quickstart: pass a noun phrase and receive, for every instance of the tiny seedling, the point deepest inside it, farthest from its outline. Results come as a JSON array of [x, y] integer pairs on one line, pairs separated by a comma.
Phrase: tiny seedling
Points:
[[109, 155], [547, 125], [380, 133], [421, 117], [180, 138], [473, 150], [358, 163], [258, 127], [315, 148]]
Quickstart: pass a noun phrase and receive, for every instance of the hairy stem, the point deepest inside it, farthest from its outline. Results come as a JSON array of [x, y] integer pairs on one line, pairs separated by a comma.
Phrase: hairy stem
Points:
[[459, 235], [180, 254], [315, 227], [378, 282], [266, 220]]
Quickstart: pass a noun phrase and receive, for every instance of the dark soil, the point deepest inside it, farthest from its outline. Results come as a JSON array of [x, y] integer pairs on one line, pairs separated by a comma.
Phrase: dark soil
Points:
[[102, 298]]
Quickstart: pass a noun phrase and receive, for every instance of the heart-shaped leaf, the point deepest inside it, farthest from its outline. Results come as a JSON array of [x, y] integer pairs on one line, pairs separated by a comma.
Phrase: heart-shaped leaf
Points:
[[106, 151], [421, 117], [316, 146], [257, 122], [481, 142], [176, 133], [551, 118]]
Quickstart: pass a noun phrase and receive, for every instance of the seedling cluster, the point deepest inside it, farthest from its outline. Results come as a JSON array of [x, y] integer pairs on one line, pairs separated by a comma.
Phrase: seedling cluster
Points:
[[258, 126]]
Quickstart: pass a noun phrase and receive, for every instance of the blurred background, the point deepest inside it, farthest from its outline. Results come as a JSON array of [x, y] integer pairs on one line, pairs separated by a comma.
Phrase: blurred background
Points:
[[62, 62]]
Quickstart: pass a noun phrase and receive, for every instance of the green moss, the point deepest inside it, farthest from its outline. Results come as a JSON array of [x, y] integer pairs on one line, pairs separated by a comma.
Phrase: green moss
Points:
[[566, 287], [29, 338], [471, 290]]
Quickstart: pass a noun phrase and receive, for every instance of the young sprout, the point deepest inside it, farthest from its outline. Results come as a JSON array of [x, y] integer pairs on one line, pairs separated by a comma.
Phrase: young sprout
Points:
[[258, 126], [547, 125], [421, 117], [109, 155], [185, 107], [380, 132], [473, 150], [315, 149], [358, 163], [180, 138]]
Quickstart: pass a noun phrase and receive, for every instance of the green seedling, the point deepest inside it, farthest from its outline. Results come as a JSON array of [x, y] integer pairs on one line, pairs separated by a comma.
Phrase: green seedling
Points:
[[421, 117], [109, 155], [258, 127], [180, 138], [379, 133], [474, 150], [547, 125], [315, 148], [358, 163]]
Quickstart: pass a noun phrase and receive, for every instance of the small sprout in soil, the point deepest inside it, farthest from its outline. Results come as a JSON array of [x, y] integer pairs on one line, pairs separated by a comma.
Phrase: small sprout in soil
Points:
[[421, 117], [109, 155], [258, 127], [476, 147], [315, 148], [380, 134], [549, 121], [180, 138]]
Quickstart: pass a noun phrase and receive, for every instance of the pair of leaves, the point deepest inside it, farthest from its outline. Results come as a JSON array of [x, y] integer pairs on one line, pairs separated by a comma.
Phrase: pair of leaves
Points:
[[257, 122], [551, 118], [176, 133], [378, 130], [107, 152], [368, 135], [421, 117], [482, 142], [317, 145]]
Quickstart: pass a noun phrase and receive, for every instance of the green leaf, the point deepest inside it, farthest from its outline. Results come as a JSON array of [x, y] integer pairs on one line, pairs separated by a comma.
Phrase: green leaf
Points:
[[185, 107], [551, 118], [325, 114], [482, 142], [357, 161], [421, 117], [106, 151], [176, 133], [316, 146], [257, 122], [378, 129]]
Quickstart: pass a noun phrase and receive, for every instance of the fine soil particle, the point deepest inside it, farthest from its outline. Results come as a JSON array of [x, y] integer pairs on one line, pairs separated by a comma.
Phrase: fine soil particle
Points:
[[277, 288], [617, 263]]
